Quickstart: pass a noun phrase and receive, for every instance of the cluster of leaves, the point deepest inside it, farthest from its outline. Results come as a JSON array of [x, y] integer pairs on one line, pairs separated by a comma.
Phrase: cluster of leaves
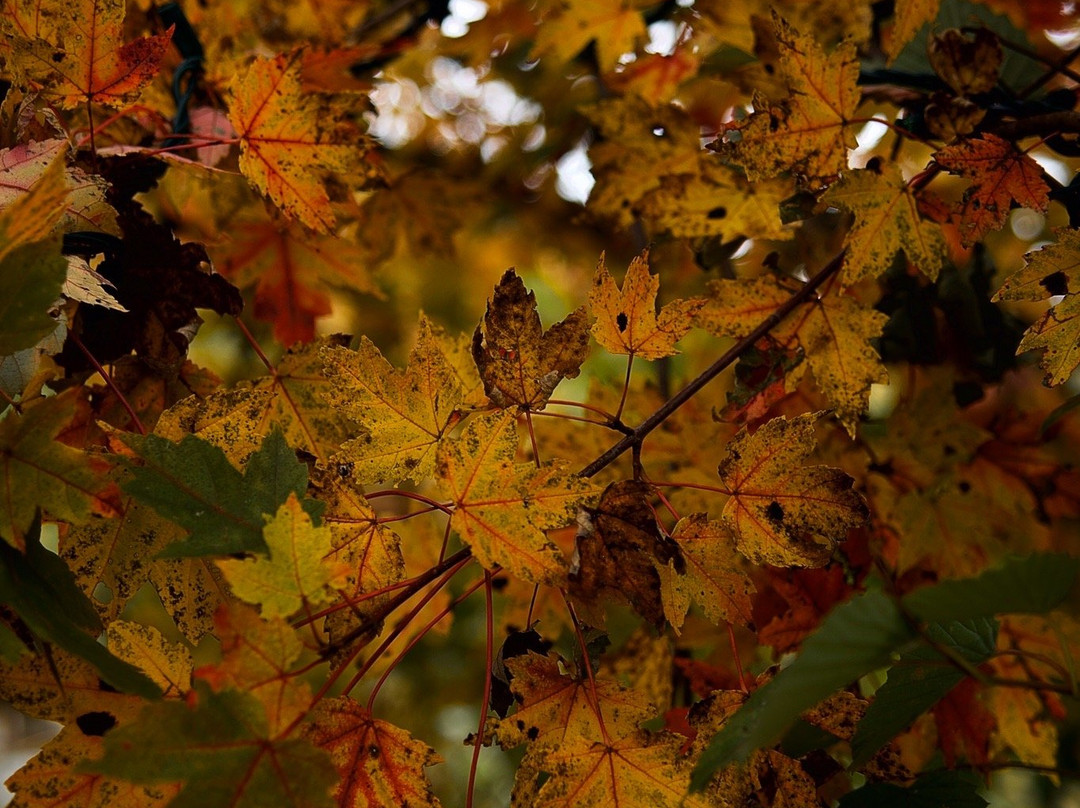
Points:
[[207, 584]]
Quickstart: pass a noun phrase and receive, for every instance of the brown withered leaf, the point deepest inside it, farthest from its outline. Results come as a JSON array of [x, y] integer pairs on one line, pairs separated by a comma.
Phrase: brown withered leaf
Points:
[[969, 66], [619, 550], [520, 363]]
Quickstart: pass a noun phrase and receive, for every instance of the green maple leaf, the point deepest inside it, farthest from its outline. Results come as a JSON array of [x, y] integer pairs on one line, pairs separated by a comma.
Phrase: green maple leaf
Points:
[[193, 484], [218, 745]]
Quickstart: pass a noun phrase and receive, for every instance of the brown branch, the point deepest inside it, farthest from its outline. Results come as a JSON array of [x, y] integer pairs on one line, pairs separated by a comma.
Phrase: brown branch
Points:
[[738, 349], [1065, 121], [418, 583]]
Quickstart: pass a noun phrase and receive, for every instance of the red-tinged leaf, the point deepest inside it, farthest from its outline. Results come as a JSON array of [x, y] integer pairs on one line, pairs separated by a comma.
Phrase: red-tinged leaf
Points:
[[1001, 176], [379, 763], [501, 508], [291, 141], [292, 273], [964, 725], [257, 657], [76, 55], [85, 208], [38, 472]]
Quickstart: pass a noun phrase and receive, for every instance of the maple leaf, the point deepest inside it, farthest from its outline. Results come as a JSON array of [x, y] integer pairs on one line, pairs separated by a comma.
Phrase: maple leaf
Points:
[[38, 472], [75, 55], [712, 578], [379, 764], [219, 746], [66, 689], [626, 319], [686, 205], [24, 166], [257, 657], [32, 271], [296, 573], [404, 414], [833, 331], [1053, 270], [586, 736], [501, 509], [1001, 175], [290, 140], [768, 774], [560, 711], [290, 271], [370, 551], [295, 397], [619, 549], [887, 220], [519, 362], [911, 15], [51, 777], [969, 66], [615, 25], [193, 484], [810, 132], [634, 770], [168, 664], [781, 512]]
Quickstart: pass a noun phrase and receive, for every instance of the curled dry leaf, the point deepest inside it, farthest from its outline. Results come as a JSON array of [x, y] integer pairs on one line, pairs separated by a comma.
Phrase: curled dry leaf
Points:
[[520, 363]]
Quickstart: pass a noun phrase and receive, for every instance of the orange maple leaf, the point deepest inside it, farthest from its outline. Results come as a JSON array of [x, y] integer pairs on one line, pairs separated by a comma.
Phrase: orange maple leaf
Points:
[[1001, 175], [379, 763], [291, 140], [626, 319], [75, 54]]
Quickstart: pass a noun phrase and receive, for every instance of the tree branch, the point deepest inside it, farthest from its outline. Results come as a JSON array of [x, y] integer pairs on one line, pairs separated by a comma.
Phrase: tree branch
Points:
[[721, 364]]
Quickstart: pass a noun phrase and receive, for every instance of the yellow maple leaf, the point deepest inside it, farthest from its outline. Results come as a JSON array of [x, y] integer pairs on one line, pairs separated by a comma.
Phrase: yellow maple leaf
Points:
[[75, 55], [834, 332], [380, 764], [290, 140], [370, 551], [296, 572], [911, 15], [555, 709], [711, 576], [887, 220], [782, 512], [1053, 270], [626, 319], [809, 132], [519, 362], [295, 396], [404, 414], [51, 777], [167, 663], [615, 25], [717, 200], [501, 509]]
